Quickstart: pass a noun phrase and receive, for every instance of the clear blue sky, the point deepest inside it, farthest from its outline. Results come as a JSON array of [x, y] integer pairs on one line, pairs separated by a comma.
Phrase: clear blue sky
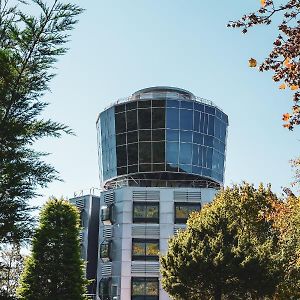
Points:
[[121, 46]]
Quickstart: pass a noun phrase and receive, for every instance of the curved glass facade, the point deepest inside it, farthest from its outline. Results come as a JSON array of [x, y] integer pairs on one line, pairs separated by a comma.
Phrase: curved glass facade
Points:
[[163, 130]]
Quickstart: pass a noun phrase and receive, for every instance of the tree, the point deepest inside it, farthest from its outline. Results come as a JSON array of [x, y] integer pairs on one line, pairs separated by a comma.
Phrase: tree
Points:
[[284, 59], [54, 270], [29, 47], [228, 251], [285, 217], [11, 261]]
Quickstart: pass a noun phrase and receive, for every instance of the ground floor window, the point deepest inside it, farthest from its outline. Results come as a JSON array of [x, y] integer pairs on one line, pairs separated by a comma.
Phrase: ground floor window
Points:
[[104, 288], [144, 288]]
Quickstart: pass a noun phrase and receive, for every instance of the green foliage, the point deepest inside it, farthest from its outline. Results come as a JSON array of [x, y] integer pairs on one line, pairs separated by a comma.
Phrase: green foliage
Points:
[[228, 251], [54, 270], [29, 47]]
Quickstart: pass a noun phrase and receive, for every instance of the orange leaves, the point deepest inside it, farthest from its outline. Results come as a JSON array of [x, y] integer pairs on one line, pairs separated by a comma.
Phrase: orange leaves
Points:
[[287, 62], [294, 87], [286, 117], [282, 86], [263, 3], [252, 63]]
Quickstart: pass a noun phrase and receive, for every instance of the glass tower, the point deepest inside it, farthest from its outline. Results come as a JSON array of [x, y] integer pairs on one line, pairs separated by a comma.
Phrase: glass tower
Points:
[[162, 136]]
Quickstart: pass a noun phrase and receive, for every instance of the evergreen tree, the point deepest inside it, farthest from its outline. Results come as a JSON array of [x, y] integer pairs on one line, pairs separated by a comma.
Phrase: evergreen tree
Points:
[[29, 47], [228, 251], [54, 270]]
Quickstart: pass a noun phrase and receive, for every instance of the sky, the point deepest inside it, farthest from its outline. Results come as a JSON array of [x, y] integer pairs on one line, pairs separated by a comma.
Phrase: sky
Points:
[[121, 46]]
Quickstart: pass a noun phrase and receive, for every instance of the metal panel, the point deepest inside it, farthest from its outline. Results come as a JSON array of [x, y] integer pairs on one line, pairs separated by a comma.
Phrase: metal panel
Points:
[[187, 196], [140, 268], [146, 195], [178, 228], [107, 232], [109, 198], [106, 269], [145, 230]]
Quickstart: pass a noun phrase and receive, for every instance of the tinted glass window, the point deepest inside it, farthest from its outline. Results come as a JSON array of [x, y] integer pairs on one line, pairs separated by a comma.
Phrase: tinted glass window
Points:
[[144, 103], [121, 156], [195, 155], [158, 135], [131, 105], [144, 118], [144, 288], [186, 136], [208, 140], [145, 249], [183, 210], [172, 152], [172, 135], [145, 212], [132, 137], [211, 125], [199, 106], [185, 155], [120, 108], [186, 119], [173, 118], [145, 152], [158, 118], [209, 109], [145, 135], [187, 104], [132, 154], [196, 120], [158, 152], [172, 103], [120, 123], [158, 103], [133, 169], [198, 138], [121, 139], [131, 120]]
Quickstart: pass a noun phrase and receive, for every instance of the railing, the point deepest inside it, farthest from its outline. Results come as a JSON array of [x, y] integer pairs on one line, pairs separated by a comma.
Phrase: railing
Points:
[[129, 181]]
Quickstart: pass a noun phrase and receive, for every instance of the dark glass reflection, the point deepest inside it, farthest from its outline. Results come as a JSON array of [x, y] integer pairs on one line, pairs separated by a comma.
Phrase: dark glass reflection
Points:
[[144, 118], [132, 137], [132, 154], [145, 152], [158, 135], [145, 135], [120, 122], [131, 117], [158, 150], [158, 118], [185, 154], [121, 156], [172, 135]]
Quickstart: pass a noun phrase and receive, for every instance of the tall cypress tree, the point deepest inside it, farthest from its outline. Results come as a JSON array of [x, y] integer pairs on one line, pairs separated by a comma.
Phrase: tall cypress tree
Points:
[[54, 270]]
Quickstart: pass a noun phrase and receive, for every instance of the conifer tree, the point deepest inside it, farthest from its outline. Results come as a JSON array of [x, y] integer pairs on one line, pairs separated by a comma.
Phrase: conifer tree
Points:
[[54, 270], [29, 47]]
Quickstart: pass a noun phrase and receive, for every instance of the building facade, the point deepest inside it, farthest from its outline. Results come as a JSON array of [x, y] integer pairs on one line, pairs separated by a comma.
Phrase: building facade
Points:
[[161, 156]]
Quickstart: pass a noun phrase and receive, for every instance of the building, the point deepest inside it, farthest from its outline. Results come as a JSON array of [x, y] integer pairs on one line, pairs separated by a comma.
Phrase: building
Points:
[[161, 156]]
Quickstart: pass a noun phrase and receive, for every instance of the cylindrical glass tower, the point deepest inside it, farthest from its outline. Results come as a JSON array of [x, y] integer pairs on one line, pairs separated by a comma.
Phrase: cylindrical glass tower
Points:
[[162, 136]]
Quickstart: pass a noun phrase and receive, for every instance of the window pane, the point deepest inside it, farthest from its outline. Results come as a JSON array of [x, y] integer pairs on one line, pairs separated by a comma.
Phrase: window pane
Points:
[[158, 118], [144, 118], [158, 135], [131, 118], [145, 135], [152, 211], [131, 105], [186, 119], [186, 136], [152, 288], [172, 103], [185, 155], [172, 118], [138, 248], [172, 135], [152, 248], [199, 106], [158, 152], [139, 210], [133, 169], [121, 139], [195, 155], [120, 123], [208, 140], [209, 109], [145, 167], [196, 120], [183, 210], [138, 288], [211, 124], [132, 154], [198, 138], [132, 137], [145, 152], [144, 103], [187, 104], [172, 152], [120, 108], [121, 156]]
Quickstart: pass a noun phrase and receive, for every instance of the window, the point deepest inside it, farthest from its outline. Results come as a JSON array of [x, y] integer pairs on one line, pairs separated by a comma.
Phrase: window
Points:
[[120, 123], [158, 118], [144, 118], [105, 251], [158, 150], [173, 118], [186, 119], [144, 288], [145, 212], [145, 249], [106, 213], [183, 210], [104, 288]]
